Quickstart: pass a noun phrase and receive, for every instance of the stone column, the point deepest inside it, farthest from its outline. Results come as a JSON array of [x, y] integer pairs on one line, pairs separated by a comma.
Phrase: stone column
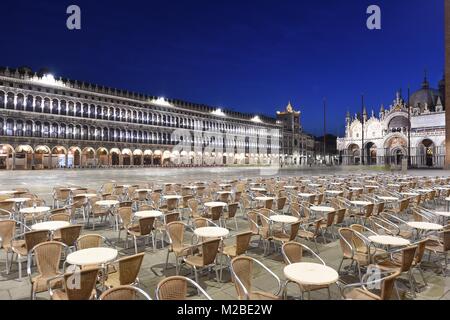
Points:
[[447, 84]]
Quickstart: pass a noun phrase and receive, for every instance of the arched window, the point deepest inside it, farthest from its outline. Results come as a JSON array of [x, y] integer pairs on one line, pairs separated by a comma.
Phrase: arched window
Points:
[[85, 110], [62, 131], [99, 112], [10, 101], [19, 128], [77, 134], [29, 128], [46, 130], [92, 112], [54, 131], [2, 99], [20, 102], [69, 134], [37, 129], [63, 108], [55, 107], [1, 127]]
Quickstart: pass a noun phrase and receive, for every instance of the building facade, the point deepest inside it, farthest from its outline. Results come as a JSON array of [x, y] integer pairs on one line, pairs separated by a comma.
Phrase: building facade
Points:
[[296, 146], [49, 123], [418, 128]]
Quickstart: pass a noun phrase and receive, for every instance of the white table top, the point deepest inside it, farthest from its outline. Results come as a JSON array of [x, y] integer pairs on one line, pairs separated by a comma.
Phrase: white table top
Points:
[[442, 213], [143, 190], [50, 225], [372, 187], [334, 192], [308, 273], [386, 198], [290, 187], [393, 185], [264, 198], [424, 190], [389, 240], [322, 209], [224, 192], [18, 200], [35, 209], [8, 192], [108, 203], [425, 225], [224, 185], [258, 189], [215, 204], [355, 188], [360, 203], [174, 196], [211, 232], [192, 187], [87, 195], [441, 188], [411, 194], [306, 195], [148, 214], [336, 183], [281, 218], [92, 256], [314, 185], [305, 180]]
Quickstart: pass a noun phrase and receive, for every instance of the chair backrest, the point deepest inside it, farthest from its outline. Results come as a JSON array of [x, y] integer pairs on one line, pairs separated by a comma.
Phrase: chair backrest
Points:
[[172, 203], [122, 293], [232, 209], [176, 232], [446, 239], [252, 218], [129, 268], [242, 242], [59, 217], [380, 207], [216, 213], [32, 238], [346, 241], [407, 257], [172, 288], [340, 215], [281, 202], [89, 241], [48, 256], [82, 289], [70, 234], [387, 286], [125, 214], [209, 251], [242, 268], [292, 252], [146, 225], [368, 210], [200, 222], [420, 250], [404, 204], [171, 217], [7, 231], [156, 199], [7, 205]]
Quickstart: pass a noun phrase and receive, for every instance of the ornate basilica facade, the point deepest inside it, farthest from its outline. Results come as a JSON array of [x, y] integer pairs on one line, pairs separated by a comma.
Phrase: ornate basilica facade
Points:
[[48, 123], [385, 140]]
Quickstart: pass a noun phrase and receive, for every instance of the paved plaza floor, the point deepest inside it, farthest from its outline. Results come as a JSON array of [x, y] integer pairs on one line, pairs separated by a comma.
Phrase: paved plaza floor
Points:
[[152, 270]]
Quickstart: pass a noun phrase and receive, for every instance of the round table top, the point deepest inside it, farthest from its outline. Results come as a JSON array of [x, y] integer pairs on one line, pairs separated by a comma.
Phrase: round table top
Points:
[[386, 198], [322, 208], [8, 192], [360, 203], [411, 194], [264, 198], [393, 185], [107, 203], [308, 273], [18, 199], [372, 186], [224, 185], [215, 204], [389, 240], [211, 232], [50, 225], [35, 209], [224, 192], [334, 191], [290, 187], [172, 196], [424, 190], [314, 185], [306, 195], [258, 189], [148, 214], [425, 225], [281, 218], [92, 256], [355, 188], [305, 180], [442, 213], [441, 188], [336, 183], [143, 190], [192, 187], [87, 195]]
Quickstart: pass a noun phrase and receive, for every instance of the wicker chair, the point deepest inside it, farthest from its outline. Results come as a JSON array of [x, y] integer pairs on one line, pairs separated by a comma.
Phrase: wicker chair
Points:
[[360, 291], [124, 293], [161, 228], [125, 217], [84, 288], [201, 259], [96, 211], [400, 260], [68, 235], [90, 241], [231, 214], [440, 248], [240, 247], [170, 205], [128, 270], [61, 196], [144, 229], [215, 214], [293, 253], [242, 275], [21, 248], [59, 216], [7, 233], [311, 231], [48, 256], [282, 236], [176, 288], [176, 233]]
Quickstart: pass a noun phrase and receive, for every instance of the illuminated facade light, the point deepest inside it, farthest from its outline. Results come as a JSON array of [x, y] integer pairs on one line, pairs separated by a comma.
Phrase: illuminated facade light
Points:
[[256, 119], [218, 112], [161, 101], [48, 79]]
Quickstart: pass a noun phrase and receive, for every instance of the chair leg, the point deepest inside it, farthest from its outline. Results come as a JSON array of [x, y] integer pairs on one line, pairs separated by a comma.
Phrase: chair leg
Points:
[[340, 265], [195, 274], [135, 245], [167, 259]]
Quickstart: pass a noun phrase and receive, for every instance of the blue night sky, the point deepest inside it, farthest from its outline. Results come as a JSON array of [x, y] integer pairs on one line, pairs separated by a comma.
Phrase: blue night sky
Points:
[[252, 56]]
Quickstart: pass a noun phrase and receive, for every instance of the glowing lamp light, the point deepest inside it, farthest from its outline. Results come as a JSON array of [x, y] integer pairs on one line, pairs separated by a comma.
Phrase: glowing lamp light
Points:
[[161, 101], [48, 79], [256, 119], [218, 112]]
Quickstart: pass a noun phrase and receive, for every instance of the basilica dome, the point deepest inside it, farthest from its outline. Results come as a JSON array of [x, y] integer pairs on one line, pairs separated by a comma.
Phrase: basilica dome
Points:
[[426, 96]]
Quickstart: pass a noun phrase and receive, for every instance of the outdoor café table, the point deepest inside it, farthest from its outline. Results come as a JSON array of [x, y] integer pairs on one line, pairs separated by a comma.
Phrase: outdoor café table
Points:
[[442, 214], [314, 185], [215, 204], [355, 188], [283, 219], [441, 188], [310, 274], [389, 241], [360, 203], [336, 183], [422, 227], [143, 190], [306, 195], [290, 187], [148, 214], [224, 185], [51, 226], [410, 194], [87, 195], [321, 209], [371, 187], [172, 196], [213, 232], [394, 185], [424, 190], [264, 198], [334, 193], [305, 180], [34, 210], [388, 199], [224, 192]]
